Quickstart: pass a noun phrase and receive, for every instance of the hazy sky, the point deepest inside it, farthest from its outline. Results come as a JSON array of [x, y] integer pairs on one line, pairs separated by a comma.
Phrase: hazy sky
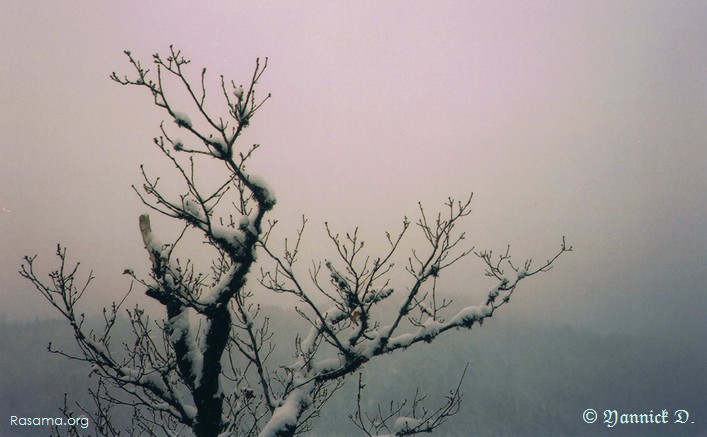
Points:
[[584, 119]]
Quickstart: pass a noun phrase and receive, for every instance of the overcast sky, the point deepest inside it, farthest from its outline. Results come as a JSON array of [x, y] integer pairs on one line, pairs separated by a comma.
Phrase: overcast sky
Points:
[[583, 119]]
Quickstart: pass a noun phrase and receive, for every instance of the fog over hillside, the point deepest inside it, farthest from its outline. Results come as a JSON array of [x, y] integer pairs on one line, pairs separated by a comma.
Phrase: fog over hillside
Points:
[[524, 378]]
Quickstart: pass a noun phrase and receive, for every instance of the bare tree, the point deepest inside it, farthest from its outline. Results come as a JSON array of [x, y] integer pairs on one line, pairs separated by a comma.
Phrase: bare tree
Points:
[[204, 367]]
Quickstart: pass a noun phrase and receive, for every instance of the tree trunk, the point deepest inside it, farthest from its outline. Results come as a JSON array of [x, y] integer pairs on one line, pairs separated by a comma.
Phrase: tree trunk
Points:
[[207, 395]]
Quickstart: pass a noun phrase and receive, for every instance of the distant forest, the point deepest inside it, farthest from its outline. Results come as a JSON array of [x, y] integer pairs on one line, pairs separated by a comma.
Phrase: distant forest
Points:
[[524, 379]]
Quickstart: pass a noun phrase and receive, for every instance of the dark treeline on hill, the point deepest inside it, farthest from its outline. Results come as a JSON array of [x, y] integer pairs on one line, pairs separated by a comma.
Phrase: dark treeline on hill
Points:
[[524, 379]]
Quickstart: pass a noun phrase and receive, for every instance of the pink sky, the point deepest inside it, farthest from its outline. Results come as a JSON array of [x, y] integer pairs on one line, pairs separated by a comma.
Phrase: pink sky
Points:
[[583, 119]]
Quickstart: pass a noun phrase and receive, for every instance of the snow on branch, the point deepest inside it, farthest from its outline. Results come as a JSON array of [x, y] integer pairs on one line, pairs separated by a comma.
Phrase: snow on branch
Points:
[[146, 381], [408, 417], [241, 104]]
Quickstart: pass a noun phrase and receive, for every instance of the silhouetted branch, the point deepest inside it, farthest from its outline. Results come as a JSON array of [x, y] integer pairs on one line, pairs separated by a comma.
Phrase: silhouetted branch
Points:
[[205, 366]]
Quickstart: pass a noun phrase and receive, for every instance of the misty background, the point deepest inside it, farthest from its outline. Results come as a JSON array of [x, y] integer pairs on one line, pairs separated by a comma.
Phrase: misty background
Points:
[[576, 119]]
